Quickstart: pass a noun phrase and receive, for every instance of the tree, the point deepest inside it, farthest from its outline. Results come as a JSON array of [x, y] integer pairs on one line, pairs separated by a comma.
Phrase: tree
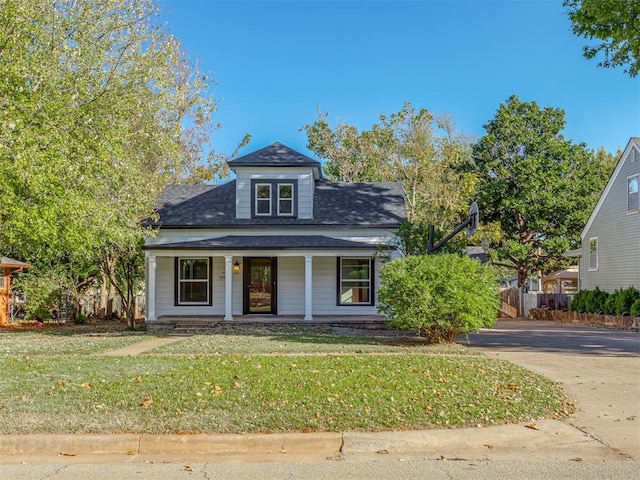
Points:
[[616, 23], [99, 109], [411, 146], [442, 296], [538, 187]]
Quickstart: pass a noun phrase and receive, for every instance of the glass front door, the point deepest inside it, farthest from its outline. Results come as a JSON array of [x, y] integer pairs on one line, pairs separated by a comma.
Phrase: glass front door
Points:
[[260, 285]]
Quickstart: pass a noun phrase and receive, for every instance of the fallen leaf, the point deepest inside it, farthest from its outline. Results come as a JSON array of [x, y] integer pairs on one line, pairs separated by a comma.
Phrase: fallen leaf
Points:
[[576, 459], [147, 402], [383, 452], [2, 406], [217, 390], [532, 426], [489, 446], [67, 454], [86, 385], [187, 468], [139, 380]]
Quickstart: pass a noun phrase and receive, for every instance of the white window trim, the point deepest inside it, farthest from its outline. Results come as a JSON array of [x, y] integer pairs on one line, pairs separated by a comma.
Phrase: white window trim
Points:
[[292, 199], [257, 186], [196, 280], [594, 269], [370, 280], [637, 210]]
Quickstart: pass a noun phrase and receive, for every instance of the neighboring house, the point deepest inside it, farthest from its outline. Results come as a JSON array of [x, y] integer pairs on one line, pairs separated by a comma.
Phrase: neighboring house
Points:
[[8, 266], [277, 240], [610, 257]]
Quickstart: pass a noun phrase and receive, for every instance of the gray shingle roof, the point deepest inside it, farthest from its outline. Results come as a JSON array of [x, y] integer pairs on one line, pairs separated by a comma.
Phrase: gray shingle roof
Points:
[[335, 204], [274, 155], [269, 242]]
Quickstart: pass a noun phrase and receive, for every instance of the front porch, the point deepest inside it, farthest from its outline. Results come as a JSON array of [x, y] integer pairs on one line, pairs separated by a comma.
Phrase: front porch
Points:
[[202, 324]]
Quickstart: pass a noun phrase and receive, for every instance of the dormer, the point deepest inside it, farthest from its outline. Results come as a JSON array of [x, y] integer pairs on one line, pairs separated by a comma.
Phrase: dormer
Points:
[[275, 182]]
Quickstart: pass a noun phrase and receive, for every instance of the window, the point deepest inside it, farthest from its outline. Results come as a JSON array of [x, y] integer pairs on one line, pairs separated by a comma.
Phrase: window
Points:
[[263, 199], [355, 281], [285, 199], [593, 253], [193, 280], [633, 197], [272, 198]]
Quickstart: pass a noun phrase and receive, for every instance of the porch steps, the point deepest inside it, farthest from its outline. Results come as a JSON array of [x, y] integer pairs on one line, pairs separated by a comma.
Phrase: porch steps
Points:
[[204, 325]]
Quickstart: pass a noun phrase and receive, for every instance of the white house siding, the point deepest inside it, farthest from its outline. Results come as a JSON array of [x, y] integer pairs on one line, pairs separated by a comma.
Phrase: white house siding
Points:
[[290, 286], [244, 195], [617, 231], [325, 291]]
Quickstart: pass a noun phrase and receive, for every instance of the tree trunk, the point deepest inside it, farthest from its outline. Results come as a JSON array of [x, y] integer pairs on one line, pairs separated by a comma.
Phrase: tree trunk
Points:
[[523, 277]]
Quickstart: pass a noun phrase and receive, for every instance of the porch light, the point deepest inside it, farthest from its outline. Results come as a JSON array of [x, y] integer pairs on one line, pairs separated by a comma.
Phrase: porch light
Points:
[[236, 267]]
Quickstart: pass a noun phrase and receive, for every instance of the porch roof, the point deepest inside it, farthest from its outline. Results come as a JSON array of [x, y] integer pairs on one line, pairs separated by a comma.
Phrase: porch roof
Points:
[[11, 263], [268, 242]]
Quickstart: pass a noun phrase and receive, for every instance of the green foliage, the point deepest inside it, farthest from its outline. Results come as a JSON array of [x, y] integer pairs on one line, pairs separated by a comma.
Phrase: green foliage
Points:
[[595, 301], [99, 109], [578, 302], [609, 307], [624, 300], [411, 146], [615, 23], [439, 295], [635, 308], [538, 187]]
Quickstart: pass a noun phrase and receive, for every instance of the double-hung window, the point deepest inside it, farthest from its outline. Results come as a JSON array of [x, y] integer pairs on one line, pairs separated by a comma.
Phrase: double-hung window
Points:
[[633, 195], [263, 199], [193, 281], [285, 199], [593, 253], [355, 281], [274, 198]]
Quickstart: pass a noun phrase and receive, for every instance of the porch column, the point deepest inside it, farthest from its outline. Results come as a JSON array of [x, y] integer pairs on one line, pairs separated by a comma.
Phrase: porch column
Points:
[[151, 289], [228, 282], [308, 287]]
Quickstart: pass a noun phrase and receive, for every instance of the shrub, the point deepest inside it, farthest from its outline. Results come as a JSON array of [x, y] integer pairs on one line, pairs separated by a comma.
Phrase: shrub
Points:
[[439, 295], [595, 301], [635, 308], [578, 302], [609, 307], [624, 299]]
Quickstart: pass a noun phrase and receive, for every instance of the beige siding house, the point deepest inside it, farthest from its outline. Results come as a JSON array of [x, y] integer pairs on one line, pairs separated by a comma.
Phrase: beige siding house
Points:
[[610, 257], [277, 240]]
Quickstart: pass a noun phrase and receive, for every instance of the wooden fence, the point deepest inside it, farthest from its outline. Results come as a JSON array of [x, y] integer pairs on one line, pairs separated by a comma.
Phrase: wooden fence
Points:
[[516, 303]]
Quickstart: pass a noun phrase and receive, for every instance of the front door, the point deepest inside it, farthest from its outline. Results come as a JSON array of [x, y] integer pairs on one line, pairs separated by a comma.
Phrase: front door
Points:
[[260, 285]]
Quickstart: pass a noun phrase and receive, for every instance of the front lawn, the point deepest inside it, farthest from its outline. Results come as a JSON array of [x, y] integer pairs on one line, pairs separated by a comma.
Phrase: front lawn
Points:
[[201, 391]]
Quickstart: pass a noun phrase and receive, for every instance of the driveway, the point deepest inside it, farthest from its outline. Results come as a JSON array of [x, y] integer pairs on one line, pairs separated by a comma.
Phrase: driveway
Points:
[[599, 369]]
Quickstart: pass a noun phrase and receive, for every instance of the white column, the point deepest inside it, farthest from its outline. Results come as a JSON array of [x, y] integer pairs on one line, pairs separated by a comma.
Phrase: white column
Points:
[[228, 282], [151, 289], [308, 287]]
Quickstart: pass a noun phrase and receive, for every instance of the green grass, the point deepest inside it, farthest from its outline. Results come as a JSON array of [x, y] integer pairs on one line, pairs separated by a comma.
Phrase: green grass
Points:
[[66, 341], [300, 340], [259, 393]]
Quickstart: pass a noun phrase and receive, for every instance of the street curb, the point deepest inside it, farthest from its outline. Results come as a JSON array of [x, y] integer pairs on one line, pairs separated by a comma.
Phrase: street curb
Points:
[[145, 444]]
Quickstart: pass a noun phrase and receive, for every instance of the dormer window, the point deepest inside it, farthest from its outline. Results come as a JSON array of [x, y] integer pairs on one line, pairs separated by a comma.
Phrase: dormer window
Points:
[[285, 199], [263, 199], [274, 198]]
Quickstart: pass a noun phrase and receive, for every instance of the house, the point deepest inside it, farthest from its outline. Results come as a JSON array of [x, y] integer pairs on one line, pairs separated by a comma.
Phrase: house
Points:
[[278, 240], [8, 266], [610, 257]]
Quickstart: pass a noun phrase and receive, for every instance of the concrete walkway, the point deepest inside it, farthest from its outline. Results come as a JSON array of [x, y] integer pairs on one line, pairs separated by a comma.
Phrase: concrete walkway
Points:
[[142, 347]]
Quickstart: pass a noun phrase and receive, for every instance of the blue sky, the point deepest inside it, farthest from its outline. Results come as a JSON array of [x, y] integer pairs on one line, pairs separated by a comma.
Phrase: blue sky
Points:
[[275, 62]]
